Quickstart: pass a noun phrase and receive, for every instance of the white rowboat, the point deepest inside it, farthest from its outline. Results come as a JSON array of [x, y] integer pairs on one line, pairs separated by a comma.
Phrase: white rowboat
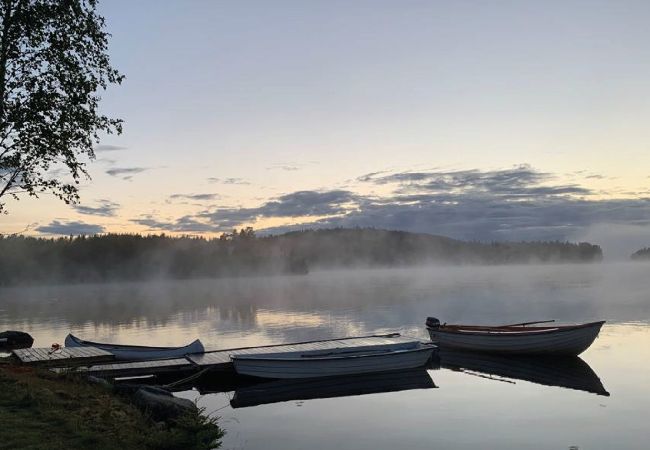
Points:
[[515, 340], [136, 352], [334, 362]]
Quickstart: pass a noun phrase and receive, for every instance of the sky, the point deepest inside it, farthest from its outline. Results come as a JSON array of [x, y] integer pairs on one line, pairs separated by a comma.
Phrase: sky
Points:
[[471, 119]]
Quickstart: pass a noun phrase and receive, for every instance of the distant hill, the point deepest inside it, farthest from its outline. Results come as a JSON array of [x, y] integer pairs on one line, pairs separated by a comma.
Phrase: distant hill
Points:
[[641, 255], [371, 247], [26, 260]]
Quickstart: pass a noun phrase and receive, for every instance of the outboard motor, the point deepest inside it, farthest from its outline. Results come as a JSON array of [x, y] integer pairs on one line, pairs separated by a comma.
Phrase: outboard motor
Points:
[[433, 323]]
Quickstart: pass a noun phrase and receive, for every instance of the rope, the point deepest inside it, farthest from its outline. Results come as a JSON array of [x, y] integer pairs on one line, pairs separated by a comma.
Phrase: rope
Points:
[[186, 380]]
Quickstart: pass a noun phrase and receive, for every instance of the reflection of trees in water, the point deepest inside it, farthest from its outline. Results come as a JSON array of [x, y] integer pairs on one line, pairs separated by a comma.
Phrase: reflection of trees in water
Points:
[[339, 303]]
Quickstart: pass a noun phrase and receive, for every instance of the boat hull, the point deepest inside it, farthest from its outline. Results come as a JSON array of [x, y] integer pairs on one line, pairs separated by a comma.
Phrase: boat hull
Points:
[[564, 341], [263, 366], [134, 352]]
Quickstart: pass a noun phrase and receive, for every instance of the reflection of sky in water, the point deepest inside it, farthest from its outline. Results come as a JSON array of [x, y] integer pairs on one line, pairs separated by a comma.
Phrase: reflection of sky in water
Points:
[[466, 411], [249, 311]]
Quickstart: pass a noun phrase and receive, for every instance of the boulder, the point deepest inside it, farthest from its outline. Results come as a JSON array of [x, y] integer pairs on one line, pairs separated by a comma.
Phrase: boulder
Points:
[[161, 404]]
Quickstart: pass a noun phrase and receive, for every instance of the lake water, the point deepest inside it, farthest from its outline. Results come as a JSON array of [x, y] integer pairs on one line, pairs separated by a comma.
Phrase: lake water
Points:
[[469, 407]]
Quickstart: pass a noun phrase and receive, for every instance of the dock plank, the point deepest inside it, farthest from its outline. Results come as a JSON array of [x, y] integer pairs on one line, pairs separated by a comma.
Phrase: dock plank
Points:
[[139, 368], [66, 356]]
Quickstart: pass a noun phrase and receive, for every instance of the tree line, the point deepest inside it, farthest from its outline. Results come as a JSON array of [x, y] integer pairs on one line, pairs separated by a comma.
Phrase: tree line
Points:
[[106, 257], [641, 255]]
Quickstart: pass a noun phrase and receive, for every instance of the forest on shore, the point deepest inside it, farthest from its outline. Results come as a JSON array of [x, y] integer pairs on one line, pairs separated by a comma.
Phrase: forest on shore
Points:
[[641, 254], [109, 257]]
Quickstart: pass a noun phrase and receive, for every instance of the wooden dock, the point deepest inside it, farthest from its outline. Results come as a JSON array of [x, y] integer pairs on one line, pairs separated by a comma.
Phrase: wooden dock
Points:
[[219, 360], [65, 356]]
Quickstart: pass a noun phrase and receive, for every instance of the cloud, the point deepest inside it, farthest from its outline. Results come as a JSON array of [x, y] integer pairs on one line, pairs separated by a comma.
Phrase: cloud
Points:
[[126, 173], [185, 224], [518, 182], [285, 167], [519, 203], [296, 204], [196, 197], [108, 148], [228, 180], [67, 228], [106, 208]]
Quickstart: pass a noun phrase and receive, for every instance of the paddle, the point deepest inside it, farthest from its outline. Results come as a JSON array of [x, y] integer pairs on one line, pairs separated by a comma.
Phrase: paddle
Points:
[[527, 323]]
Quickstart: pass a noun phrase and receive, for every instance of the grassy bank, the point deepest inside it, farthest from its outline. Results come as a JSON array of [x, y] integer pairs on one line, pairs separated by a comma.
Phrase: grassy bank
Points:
[[39, 409]]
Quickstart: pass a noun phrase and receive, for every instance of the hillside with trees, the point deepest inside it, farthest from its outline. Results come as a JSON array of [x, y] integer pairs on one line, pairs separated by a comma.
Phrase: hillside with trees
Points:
[[28, 260], [641, 255]]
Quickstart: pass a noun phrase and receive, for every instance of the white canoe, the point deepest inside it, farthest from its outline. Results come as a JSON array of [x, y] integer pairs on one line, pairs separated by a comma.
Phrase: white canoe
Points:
[[136, 352], [515, 340], [336, 362]]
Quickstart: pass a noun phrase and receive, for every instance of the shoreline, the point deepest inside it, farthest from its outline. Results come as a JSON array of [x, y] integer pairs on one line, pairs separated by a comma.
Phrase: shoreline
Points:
[[66, 411]]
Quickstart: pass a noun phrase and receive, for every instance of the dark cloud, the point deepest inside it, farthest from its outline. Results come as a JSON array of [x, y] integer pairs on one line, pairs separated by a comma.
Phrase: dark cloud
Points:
[[106, 208], [296, 204], [126, 173], [513, 204], [228, 180], [486, 220], [185, 224], [196, 197], [67, 228], [108, 148], [518, 182]]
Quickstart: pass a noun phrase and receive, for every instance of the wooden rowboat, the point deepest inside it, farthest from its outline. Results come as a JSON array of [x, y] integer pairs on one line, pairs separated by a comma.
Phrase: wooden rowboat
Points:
[[517, 339], [335, 362], [136, 352]]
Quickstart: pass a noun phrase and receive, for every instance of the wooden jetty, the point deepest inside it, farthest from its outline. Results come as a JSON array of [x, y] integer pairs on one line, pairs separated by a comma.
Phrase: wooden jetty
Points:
[[69, 357], [217, 360]]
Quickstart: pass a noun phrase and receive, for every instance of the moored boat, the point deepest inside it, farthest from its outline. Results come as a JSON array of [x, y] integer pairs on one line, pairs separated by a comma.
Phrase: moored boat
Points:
[[516, 339], [136, 352], [10, 340], [334, 362]]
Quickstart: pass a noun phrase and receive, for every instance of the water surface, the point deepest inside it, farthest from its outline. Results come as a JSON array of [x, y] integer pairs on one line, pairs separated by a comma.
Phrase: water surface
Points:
[[466, 410]]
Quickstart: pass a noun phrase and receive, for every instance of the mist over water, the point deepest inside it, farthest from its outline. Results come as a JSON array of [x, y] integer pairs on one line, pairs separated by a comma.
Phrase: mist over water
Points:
[[230, 312], [465, 411]]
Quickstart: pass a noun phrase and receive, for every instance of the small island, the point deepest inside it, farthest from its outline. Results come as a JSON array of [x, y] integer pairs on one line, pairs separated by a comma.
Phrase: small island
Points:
[[641, 255]]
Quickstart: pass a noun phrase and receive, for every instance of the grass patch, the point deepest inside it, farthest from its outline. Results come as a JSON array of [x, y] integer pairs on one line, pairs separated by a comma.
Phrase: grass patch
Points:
[[40, 409]]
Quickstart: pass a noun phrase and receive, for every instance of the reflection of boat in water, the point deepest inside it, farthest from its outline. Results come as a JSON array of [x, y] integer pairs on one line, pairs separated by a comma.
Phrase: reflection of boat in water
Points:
[[518, 339], [328, 387], [569, 372]]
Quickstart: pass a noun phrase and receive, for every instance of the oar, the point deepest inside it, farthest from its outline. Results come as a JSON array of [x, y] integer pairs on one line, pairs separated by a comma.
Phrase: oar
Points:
[[527, 323]]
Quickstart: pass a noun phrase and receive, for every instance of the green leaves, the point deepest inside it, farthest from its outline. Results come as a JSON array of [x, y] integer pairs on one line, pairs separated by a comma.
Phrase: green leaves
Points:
[[53, 63]]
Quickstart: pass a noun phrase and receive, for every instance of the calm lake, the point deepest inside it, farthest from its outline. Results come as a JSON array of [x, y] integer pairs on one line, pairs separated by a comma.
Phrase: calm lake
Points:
[[469, 407]]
